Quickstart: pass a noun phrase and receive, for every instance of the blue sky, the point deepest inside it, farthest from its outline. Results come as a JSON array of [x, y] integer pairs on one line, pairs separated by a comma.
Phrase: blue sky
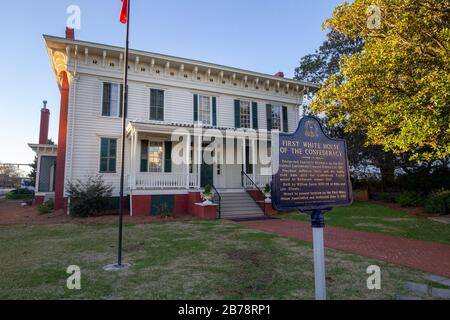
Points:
[[259, 35]]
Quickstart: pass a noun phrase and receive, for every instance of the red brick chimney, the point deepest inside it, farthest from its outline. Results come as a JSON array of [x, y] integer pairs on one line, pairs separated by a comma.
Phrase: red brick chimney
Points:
[[70, 33], [279, 74], [45, 119]]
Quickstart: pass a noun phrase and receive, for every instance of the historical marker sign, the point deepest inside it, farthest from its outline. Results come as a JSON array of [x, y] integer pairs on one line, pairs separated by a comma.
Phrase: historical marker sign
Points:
[[311, 173], [310, 170]]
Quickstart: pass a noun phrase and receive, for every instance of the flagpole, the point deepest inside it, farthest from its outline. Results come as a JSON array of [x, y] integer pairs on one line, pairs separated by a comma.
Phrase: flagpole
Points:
[[124, 123]]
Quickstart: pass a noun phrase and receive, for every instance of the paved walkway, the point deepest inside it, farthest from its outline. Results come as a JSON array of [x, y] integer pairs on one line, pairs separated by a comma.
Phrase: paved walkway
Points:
[[422, 255]]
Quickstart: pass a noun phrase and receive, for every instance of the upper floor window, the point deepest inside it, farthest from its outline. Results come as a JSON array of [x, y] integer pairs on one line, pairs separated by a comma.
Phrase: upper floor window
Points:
[[156, 105], [245, 114], [112, 100], [108, 155], [276, 118], [204, 110]]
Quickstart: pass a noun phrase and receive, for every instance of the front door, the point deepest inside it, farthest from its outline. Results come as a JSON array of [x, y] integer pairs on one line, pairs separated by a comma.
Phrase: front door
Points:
[[207, 175]]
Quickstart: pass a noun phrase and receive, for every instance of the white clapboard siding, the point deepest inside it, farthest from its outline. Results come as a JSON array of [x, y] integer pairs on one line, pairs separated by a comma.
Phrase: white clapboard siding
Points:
[[86, 124], [178, 105]]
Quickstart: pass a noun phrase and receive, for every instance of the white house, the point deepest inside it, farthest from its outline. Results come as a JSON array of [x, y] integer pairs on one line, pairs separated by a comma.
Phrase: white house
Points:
[[165, 93]]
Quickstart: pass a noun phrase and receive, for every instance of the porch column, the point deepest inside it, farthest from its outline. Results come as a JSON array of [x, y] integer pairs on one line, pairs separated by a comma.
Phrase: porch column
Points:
[[134, 146], [244, 160], [188, 158], [38, 171], [199, 161], [130, 178], [254, 157]]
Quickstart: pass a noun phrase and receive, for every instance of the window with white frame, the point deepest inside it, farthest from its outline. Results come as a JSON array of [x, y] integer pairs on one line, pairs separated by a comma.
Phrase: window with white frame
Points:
[[245, 115], [276, 118], [111, 99], [155, 156], [204, 110]]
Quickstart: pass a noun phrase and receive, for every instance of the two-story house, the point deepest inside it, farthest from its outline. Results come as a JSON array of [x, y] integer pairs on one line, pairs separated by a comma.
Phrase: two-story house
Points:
[[202, 101]]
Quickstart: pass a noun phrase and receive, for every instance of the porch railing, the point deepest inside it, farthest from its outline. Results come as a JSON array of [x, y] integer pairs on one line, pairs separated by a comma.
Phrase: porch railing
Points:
[[260, 181], [152, 180]]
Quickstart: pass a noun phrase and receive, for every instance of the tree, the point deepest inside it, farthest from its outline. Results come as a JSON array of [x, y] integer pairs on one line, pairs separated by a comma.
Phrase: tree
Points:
[[397, 89], [320, 66], [9, 176]]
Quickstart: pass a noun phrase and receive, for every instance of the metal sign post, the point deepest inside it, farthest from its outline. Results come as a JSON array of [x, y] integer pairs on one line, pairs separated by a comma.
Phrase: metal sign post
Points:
[[311, 173], [318, 223]]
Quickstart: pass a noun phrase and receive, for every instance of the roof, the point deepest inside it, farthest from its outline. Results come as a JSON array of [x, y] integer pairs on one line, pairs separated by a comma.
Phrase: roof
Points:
[[61, 44]]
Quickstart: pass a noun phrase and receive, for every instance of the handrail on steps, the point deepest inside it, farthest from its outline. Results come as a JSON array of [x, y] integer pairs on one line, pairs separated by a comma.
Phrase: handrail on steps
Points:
[[258, 188]]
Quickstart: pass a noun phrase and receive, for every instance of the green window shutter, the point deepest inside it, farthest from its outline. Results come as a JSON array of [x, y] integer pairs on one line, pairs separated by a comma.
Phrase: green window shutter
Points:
[[285, 119], [255, 115], [112, 155], [269, 116], [214, 111], [144, 155], [168, 156], [121, 101], [195, 108], [104, 144], [106, 107], [108, 155], [237, 113]]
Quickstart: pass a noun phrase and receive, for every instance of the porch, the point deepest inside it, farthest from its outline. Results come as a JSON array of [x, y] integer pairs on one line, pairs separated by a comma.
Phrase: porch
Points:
[[159, 161]]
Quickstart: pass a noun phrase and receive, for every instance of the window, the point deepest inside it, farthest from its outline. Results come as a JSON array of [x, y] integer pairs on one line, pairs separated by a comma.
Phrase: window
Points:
[[276, 118], [204, 114], [155, 156], [111, 100], [157, 105], [245, 114], [108, 154]]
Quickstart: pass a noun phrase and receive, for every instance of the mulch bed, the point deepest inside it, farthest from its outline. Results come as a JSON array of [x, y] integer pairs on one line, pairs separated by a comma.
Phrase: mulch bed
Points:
[[13, 213]]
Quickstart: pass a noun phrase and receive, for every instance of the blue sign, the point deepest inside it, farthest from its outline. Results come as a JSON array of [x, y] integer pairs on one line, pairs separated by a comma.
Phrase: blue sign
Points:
[[310, 170]]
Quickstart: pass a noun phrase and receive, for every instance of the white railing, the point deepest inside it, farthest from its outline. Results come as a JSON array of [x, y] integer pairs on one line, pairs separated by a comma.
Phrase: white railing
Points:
[[146, 181], [260, 181]]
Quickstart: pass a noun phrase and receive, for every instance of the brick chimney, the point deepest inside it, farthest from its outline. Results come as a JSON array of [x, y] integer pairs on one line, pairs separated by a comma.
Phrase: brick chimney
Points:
[[70, 33], [279, 74], [45, 119]]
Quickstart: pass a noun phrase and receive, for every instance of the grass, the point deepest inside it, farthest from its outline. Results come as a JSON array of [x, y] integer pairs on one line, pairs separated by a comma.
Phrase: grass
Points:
[[182, 260], [366, 216]]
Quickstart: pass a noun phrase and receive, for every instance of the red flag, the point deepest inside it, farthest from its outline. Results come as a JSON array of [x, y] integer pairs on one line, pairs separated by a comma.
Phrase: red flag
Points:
[[124, 12]]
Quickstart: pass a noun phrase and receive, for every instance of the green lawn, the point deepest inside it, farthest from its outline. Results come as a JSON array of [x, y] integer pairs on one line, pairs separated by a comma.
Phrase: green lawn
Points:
[[372, 217], [182, 260]]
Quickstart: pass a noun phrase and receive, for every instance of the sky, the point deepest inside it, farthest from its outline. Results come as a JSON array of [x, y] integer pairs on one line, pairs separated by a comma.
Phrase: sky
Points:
[[258, 35]]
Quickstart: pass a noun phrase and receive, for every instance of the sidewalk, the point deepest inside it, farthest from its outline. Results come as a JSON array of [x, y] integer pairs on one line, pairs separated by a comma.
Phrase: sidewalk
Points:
[[427, 256]]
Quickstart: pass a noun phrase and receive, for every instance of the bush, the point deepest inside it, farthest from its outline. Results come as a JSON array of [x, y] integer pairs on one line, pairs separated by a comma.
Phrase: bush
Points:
[[20, 194], [386, 196], [409, 199], [438, 202], [88, 198], [46, 207]]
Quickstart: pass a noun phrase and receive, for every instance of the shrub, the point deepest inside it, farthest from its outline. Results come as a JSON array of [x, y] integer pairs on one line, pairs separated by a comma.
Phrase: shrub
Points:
[[385, 196], [46, 207], [88, 198], [409, 199], [438, 202], [20, 194]]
